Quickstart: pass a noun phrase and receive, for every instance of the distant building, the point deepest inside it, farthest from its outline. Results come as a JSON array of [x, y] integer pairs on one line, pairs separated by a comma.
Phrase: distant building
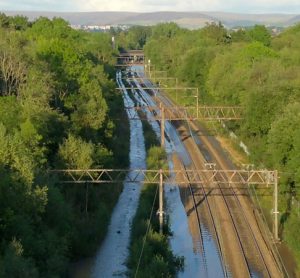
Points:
[[276, 31], [96, 28], [76, 27]]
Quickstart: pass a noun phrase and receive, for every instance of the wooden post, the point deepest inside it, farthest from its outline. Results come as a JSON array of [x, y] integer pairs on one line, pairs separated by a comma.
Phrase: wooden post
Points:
[[161, 202]]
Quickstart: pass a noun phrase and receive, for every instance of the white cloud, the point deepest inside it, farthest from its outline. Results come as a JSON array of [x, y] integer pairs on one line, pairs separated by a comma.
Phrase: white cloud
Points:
[[148, 5], [154, 5], [191, 5]]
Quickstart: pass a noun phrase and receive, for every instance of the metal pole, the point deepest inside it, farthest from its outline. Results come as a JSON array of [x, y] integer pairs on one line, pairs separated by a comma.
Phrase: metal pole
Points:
[[162, 125], [161, 202], [176, 85], [276, 212], [197, 106], [86, 198], [149, 67]]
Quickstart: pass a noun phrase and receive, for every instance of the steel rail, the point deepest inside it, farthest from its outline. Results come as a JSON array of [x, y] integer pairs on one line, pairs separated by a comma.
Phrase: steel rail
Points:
[[246, 221], [211, 217], [233, 221]]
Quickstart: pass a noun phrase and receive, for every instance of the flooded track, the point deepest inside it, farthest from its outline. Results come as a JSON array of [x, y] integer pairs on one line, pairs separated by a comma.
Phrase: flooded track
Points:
[[203, 258], [111, 258], [212, 241], [250, 247]]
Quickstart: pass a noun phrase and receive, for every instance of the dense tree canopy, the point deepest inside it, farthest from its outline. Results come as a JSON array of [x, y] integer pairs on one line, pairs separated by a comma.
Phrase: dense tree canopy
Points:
[[56, 94]]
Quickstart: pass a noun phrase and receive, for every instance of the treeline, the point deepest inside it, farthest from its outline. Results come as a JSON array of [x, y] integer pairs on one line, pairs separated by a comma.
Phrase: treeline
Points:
[[252, 69], [57, 99]]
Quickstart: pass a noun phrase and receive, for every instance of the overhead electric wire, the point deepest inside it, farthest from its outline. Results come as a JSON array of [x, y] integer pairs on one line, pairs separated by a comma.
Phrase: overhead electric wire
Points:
[[147, 231]]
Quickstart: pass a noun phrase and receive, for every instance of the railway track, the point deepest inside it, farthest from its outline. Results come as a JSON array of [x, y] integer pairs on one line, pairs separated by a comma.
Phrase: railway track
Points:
[[198, 215], [240, 239], [240, 224], [211, 219], [239, 219], [254, 261]]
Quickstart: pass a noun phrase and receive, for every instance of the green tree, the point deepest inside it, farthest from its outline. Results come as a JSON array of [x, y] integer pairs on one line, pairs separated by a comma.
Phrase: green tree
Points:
[[240, 35], [76, 154], [261, 34], [4, 20], [14, 264], [284, 144], [54, 81], [165, 30], [137, 36], [19, 22], [216, 32]]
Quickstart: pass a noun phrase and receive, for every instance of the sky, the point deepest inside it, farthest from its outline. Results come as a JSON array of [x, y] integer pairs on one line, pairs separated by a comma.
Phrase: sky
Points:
[[238, 6]]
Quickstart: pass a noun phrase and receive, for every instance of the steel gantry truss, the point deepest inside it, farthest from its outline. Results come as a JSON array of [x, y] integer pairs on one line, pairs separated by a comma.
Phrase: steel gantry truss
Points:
[[204, 177], [176, 113], [173, 113], [249, 177], [155, 79], [130, 59], [165, 88]]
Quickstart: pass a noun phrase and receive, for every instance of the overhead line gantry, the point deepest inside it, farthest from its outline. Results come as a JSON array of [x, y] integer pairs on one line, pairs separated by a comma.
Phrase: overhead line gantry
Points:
[[162, 113]]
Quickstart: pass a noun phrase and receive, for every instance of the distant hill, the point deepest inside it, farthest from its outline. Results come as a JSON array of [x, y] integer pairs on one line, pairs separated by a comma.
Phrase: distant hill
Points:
[[294, 20], [185, 19]]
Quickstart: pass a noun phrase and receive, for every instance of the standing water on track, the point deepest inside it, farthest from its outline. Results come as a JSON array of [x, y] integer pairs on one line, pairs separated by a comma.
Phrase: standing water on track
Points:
[[197, 264], [111, 258]]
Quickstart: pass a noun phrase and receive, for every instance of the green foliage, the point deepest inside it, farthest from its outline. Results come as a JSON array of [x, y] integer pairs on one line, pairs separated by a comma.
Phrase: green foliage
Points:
[[19, 22], [240, 35], [216, 33], [91, 107], [10, 112], [156, 158], [257, 72], [76, 154], [284, 145], [4, 20], [261, 34], [292, 235], [56, 97], [190, 63], [165, 30], [14, 264], [288, 44], [256, 51], [13, 70], [137, 36]]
